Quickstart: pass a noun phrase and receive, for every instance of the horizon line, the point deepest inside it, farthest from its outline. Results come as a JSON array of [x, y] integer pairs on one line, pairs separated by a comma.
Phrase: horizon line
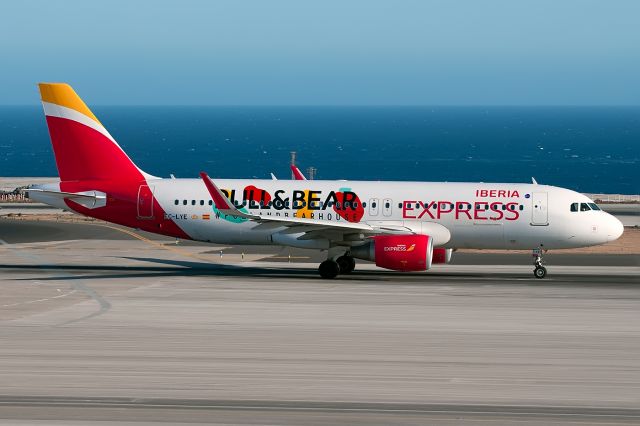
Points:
[[349, 105]]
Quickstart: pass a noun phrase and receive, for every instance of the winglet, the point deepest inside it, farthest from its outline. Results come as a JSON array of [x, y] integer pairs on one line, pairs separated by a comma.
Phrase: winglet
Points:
[[221, 201], [297, 174]]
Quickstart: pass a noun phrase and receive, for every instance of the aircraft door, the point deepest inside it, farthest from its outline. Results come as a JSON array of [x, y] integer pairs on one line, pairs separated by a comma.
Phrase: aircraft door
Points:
[[145, 202], [374, 207], [539, 209], [387, 205]]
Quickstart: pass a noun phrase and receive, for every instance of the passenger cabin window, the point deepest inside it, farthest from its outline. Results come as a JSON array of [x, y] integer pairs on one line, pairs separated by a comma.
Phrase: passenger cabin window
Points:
[[210, 202], [193, 202], [584, 207], [184, 202], [202, 202], [574, 207], [176, 202]]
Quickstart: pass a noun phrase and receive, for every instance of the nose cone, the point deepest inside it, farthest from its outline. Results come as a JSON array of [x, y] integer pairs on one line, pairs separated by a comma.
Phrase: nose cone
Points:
[[614, 228]]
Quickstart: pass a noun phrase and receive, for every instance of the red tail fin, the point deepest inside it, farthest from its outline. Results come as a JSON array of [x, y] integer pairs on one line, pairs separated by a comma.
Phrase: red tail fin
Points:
[[297, 174], [83, 148]]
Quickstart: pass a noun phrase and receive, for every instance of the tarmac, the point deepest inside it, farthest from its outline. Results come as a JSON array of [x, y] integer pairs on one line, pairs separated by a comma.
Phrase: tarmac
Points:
[[104, 325]]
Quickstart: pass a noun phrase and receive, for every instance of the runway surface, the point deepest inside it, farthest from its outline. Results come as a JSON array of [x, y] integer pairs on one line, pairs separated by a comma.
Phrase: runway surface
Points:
[[108, 330]]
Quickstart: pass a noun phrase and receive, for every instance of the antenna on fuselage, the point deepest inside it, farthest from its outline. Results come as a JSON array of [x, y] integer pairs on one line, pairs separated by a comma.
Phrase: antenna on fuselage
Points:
[[533, 180]]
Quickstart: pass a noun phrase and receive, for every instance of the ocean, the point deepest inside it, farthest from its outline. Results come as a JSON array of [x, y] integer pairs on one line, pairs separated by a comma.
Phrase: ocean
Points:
[[588, 149]]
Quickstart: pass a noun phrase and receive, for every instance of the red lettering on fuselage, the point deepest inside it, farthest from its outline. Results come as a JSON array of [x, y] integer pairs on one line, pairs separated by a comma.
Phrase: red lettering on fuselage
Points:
[[427, 209], [497, 193], [480, 207], [461, 210], [442, 205], [407, 206], [512, 208]]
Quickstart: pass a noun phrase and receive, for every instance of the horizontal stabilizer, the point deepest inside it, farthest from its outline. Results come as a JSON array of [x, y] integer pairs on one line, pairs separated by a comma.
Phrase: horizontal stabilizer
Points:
[[89, 199]]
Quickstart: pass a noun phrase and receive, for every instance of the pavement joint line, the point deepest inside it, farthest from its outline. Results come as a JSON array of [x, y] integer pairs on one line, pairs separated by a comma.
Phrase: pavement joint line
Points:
[[153, 243], [77, 285], [41, 300]]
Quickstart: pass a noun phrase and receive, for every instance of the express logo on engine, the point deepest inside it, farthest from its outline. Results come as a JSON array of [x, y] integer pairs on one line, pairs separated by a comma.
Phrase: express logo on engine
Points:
[[401, 247]]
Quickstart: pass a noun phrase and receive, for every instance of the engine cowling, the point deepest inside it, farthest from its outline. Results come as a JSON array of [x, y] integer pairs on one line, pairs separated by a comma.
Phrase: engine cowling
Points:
[[398, 252], [441, 255]]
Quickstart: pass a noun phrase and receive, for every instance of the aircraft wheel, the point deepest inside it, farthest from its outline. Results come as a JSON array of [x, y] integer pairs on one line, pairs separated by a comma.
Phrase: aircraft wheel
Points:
[[329, 269], [346, 263], [540, 272]]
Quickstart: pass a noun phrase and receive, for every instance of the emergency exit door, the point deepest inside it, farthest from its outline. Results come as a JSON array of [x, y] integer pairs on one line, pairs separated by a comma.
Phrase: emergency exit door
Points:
[[539, 209], [145, 202]]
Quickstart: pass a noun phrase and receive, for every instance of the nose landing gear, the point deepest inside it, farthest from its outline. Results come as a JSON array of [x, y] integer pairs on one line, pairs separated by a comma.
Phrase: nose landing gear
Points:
[[540, 271]]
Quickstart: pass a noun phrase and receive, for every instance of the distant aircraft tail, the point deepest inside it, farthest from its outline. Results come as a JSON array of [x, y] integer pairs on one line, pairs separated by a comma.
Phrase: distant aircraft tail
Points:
[[297, 174], [84, 149]]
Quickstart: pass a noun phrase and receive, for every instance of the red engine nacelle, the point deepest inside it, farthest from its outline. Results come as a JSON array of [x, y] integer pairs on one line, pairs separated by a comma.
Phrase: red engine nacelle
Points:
[[398, 252], [441, 255]]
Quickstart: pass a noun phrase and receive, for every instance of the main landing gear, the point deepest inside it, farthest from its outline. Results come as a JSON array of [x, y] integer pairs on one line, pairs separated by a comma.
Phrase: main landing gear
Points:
[[330, 268], [347, 264], [540, 271]]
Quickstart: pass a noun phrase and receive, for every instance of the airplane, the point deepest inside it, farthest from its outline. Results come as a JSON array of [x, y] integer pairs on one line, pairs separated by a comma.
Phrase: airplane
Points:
[[401, 226]]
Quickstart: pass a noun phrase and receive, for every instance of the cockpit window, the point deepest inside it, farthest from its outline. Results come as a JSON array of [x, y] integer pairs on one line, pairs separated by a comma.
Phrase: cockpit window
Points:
[[594, 206], [574, 207], [584, 207]]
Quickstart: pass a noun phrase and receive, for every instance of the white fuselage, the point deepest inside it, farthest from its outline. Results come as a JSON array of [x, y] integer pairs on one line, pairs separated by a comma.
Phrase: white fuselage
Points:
[[477, 215]]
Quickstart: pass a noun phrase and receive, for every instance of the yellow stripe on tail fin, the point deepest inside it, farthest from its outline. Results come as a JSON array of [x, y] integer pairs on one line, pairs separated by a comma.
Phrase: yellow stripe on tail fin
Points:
[[62, 94]]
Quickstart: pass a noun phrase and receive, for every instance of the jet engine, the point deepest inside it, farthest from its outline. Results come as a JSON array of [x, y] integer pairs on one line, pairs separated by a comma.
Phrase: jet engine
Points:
[[398, 252], [441, 255]]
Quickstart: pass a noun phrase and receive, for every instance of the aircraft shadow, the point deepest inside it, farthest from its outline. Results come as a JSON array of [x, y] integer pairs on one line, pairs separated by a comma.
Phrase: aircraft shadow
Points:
[[165, 268], [187, 268]]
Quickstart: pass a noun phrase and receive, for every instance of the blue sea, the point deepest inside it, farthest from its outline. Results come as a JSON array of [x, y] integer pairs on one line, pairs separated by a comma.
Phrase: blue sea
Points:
[[589, 149]]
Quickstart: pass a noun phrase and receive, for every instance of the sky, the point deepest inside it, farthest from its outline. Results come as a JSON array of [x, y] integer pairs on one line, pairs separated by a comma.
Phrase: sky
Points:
[[344, 52]]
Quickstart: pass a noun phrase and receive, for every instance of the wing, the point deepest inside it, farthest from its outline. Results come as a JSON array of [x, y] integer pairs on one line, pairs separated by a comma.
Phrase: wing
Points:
[[338, 233], [225, 206]]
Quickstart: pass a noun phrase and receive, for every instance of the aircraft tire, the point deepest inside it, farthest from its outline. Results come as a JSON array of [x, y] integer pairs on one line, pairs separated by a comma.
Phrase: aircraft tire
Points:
[[346, 263], [329, 269], [540, 272]]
